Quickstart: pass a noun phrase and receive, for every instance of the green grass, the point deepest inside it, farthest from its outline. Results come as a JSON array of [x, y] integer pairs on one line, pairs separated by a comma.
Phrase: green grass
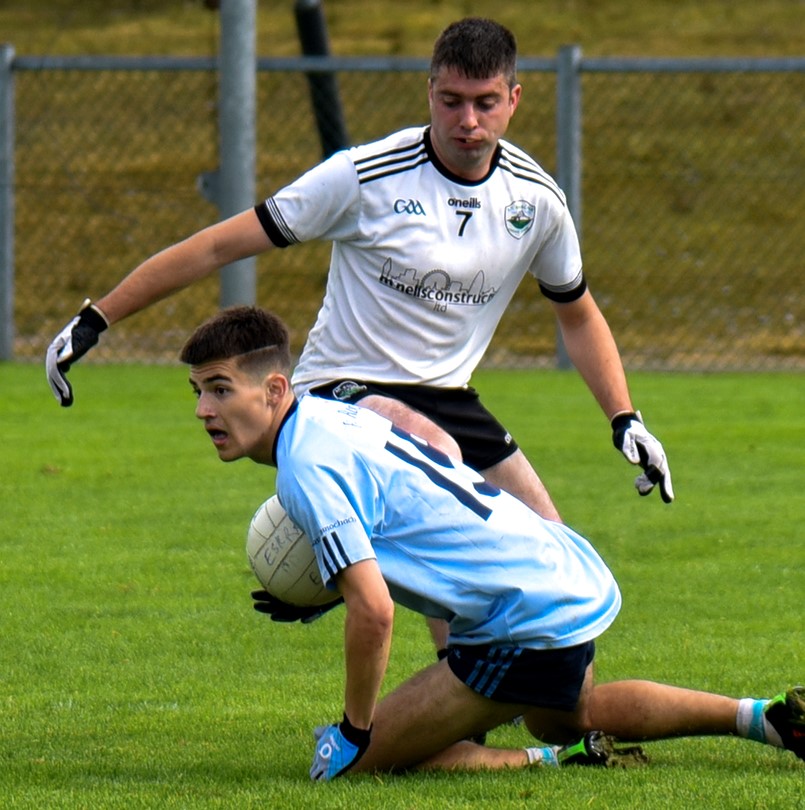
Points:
[[135, 674]]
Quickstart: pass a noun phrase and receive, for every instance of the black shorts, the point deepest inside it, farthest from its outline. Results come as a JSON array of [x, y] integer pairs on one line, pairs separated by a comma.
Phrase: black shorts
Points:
[[550, 679], [484, 442]]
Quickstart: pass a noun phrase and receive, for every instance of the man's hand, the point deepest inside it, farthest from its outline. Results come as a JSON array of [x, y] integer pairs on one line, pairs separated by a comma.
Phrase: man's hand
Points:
[[338, 748], [71, 344], [630, 436], [281, 611]]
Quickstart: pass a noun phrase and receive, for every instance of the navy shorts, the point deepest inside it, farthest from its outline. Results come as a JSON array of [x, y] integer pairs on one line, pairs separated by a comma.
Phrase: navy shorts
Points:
[[484, 442], [550, 679]]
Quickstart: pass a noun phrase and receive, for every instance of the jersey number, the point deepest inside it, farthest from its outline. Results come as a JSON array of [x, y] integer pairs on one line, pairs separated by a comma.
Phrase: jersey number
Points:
[[466, 218], [430, 464]]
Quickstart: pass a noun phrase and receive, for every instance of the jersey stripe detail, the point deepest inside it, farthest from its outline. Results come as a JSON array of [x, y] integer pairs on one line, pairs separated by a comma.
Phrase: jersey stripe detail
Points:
[[274, 224], [524, 169], [334, 554], [390, 162]]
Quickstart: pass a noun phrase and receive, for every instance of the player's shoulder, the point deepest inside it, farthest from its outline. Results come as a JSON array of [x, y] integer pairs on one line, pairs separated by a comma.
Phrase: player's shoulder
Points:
[[518, 164], [340, 421], [400, 151]]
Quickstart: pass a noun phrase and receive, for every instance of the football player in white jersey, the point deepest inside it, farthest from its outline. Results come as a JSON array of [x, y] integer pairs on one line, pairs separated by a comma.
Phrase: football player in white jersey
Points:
[[432, 230], [391, 519]]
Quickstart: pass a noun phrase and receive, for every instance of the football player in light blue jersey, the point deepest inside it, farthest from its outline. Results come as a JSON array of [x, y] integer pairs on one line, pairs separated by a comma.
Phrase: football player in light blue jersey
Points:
[[450, 545], [394, 519]]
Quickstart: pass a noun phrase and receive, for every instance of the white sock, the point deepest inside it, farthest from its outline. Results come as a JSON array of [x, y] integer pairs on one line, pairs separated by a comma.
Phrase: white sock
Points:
[[543, 756], [752, 723]]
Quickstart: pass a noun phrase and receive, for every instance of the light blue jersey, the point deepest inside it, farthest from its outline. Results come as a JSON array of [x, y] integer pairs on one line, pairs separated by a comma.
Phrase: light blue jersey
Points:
[[449, 545]]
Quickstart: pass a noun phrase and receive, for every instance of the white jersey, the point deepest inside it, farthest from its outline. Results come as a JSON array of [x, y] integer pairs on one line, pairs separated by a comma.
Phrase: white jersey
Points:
[[449, 545], [423, 263]]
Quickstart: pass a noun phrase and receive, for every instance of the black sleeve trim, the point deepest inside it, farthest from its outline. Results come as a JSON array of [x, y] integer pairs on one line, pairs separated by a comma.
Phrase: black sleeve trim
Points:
[[273, 231], [564, 296]]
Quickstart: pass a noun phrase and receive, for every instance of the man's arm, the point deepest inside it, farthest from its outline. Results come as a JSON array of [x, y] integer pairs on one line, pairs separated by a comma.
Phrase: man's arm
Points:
[[156, 278], [367, 638], [592, 349], [182, 264]]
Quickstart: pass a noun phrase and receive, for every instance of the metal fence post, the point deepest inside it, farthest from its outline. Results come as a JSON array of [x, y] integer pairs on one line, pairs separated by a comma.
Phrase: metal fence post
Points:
[[236, 121], [6, 203], [568, 148]]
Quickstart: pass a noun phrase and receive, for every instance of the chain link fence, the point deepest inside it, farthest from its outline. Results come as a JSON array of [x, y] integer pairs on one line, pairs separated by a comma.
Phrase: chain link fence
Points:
[[693, 223]]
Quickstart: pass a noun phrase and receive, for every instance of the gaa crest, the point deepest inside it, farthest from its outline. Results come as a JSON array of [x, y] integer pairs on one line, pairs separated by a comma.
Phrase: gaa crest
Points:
[[519, 217]]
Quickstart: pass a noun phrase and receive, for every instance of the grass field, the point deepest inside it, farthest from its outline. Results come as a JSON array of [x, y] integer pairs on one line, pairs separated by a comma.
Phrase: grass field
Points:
[[135, 674]]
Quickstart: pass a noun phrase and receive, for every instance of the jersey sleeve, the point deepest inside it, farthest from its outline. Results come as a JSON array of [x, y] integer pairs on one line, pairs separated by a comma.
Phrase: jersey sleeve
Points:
[[324, 203], [557, 265], [336, 510]]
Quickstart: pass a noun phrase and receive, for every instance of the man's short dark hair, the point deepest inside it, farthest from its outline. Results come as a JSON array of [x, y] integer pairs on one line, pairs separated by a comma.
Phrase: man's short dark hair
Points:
[[477, 48], [256, 339]]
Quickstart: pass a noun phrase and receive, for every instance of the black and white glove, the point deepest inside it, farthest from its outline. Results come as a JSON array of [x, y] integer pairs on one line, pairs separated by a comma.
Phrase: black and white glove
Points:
[[280, 611], [630, 436], [71, 344]]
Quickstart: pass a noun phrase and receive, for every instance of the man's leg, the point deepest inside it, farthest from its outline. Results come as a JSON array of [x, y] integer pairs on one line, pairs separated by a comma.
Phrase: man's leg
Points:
[[638, 710], [426, 722], [643, 710], [516, 475], [413, 422]]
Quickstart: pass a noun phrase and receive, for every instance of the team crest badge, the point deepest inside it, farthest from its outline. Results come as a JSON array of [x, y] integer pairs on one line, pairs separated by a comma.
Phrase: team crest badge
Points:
[[519, 217]]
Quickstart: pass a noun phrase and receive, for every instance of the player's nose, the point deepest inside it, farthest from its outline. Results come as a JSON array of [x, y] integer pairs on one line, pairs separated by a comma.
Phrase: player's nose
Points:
[[469, 119], [203, 409]]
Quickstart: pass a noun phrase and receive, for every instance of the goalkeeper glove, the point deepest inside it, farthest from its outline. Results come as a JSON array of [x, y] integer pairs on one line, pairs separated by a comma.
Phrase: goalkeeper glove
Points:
[[281, 611], [71, 344], [630, 436], [338, 748]]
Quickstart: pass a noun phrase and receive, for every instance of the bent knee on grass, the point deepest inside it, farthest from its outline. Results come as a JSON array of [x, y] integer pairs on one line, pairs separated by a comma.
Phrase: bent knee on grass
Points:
[[426, 715]]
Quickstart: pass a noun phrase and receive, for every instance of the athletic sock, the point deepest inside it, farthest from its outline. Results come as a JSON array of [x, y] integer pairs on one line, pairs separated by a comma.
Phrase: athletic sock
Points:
[[751, 722], [543, 756]]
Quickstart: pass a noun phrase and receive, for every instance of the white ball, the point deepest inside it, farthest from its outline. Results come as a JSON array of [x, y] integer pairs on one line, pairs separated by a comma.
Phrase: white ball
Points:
[[282, 558]]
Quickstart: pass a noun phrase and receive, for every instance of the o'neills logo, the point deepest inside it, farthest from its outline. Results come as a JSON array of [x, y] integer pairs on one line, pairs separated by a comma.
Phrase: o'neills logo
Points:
[[472, 202]]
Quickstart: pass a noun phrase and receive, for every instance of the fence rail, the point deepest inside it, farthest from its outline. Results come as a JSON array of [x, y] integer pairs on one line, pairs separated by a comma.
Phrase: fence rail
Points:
[[690, 173]]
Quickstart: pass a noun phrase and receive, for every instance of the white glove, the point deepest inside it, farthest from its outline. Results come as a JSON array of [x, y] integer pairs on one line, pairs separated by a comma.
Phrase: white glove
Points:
[[71, 344], [630, 436]]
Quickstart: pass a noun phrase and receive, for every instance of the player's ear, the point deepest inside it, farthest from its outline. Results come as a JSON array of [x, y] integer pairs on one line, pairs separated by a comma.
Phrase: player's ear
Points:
[[514, 97], [276, 387]]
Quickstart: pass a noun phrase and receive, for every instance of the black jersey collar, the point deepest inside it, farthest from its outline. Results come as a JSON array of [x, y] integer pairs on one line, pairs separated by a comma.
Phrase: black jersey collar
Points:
[[288, 414]]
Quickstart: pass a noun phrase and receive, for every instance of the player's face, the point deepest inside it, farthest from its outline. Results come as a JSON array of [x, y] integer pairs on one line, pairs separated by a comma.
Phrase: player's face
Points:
[[468, 117], [236, 410]]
